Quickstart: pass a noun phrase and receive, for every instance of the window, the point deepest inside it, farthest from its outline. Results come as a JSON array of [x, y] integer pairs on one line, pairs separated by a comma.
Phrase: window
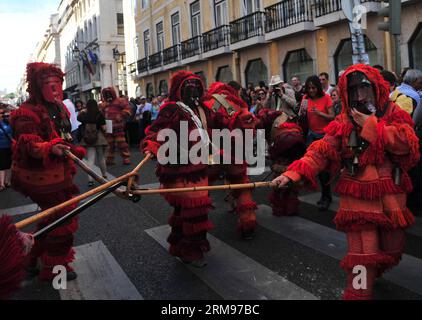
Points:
[[195, 14], [256, 71], [298, 63], [160, 36], [344, 53], [95, 26], [120, 24], [220, 12], [163, 87], [415, 48], [144, 4], [146, 43], [203, 78], [175, 28], [136, 48], [224, 74], [150, 90], [250, 6]]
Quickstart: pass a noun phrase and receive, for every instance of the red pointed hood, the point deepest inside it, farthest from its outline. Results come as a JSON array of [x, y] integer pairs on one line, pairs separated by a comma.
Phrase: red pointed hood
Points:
[[36, 71], [382, 89], [108, 89], [231, 95], [177, 81]]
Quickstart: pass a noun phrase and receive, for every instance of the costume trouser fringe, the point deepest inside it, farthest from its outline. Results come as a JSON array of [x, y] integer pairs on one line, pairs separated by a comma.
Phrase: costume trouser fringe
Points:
[[189, 220], [374, 251], [117, 140], [55, 248]]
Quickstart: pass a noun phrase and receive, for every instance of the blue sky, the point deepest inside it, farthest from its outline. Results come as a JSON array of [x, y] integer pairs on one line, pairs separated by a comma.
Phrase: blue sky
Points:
[[22, 24]]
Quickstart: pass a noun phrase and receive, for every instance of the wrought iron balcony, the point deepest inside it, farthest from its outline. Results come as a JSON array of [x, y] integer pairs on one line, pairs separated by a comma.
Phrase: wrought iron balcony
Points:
[[142, 65], [216, 38], [247, 27], [155, 60], [171, 55], [191, 47], [132, 68], [287, 13], [323, 7]]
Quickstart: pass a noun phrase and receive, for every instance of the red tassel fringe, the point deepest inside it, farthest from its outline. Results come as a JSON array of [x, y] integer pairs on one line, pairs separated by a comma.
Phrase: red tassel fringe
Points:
[[306, 171], [346, 220], [195, 228], [188, 203], [373, 259], [401, 219], [12, 258], [248, 206], [58, 260]]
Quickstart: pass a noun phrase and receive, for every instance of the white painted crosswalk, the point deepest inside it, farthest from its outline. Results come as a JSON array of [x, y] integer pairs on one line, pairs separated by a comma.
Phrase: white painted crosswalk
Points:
[[100, 277], [234, 276]]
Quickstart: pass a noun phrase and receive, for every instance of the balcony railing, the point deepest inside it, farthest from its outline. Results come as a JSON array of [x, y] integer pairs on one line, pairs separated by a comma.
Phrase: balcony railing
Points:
[[216, 38], [132, 68], [191, 47], [142, 65], [155, 60], [287, 13], [247, 27], [171, 55], [323, 7]]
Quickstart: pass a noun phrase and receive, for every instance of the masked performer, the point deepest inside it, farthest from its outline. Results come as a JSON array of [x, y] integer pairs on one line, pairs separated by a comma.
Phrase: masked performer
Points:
[[374, 140], [224, 99], [118, 111], [41, 129], [184, 113], [285, 144]]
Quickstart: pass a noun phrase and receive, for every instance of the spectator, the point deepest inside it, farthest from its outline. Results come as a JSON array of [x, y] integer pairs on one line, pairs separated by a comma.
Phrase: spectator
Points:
[[143, 116], [5, 149], [325, 81], [406, 96], [281, 97], [380, 68], [298, 88], [319, 111], [79, 105], [402, 74], [155, 108], [73, 117], [93, 128], [241, 92], [132, 125], [390, 78], [335, 96], [257, 103]]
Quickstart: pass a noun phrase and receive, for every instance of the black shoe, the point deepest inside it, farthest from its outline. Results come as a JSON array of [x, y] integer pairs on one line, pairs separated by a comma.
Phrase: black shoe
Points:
[[32, 272], [196, 263], [324, 205], [71, 275], [248, 235]]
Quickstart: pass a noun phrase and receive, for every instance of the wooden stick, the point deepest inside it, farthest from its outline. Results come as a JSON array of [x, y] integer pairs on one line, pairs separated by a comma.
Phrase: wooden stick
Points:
[[53, 210], [208, 188], [132, 179], [93, 174]]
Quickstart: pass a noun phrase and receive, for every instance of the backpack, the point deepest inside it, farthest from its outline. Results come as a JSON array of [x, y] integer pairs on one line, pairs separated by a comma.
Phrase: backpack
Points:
[[91, 133]]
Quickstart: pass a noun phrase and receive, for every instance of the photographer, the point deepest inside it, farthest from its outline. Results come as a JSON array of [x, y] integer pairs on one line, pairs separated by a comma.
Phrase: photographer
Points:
[[280, 97], [5, 148]]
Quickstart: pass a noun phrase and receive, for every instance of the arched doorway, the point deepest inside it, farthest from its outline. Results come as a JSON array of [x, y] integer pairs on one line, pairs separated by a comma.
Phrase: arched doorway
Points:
[[224, 74], [344, 53], [415, 48], [298, 63], [256, 71]]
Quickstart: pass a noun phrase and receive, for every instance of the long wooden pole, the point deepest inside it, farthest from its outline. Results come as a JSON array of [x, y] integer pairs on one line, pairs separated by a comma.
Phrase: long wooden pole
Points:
[[93, 174], [252, 185], [53, 210]]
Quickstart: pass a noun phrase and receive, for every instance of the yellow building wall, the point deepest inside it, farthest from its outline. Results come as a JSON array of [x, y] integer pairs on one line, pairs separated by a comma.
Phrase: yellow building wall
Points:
[[323, 64]]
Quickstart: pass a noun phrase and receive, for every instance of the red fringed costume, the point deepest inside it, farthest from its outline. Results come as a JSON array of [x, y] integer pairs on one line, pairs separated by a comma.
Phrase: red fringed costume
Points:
[[286, 144], [373, 209], [116, 110], [189, 220], [38, 125], [223, 99]]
